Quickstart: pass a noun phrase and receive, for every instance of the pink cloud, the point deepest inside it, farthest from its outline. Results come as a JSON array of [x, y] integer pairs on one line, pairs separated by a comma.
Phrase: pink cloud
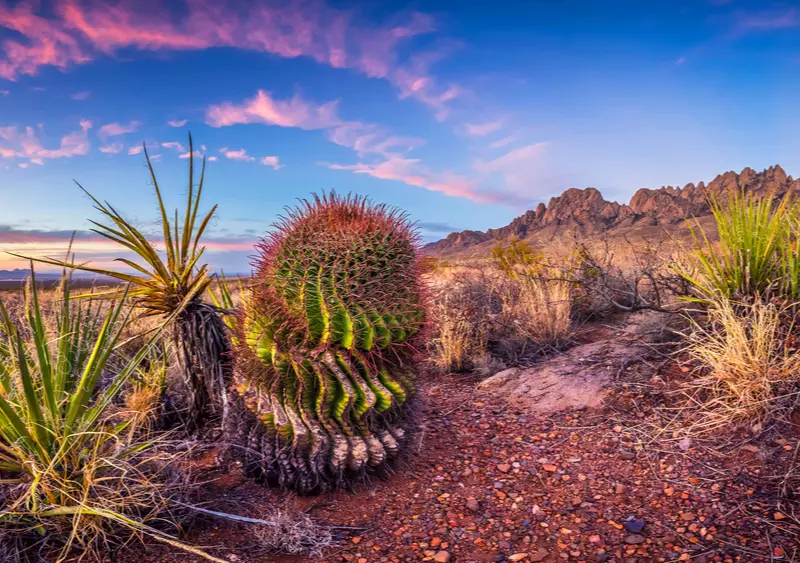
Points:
[[212, 158], [174, 145], [501, 142], [25, 144], [114, 148], [136, 149], [263, 108], [4, 92], [79, 31], [116, 129], [79, 96], [273, 161], [413, 173], [520, 167], [482, 129], [239, 154], [187, 154], [177, 122]]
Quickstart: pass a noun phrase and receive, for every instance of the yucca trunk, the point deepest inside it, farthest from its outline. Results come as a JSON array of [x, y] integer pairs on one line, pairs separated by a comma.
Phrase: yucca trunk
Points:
[[326, 344], [200, 336]]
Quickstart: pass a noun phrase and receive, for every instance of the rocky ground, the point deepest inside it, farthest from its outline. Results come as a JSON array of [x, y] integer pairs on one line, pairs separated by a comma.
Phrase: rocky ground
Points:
[[492, 479]]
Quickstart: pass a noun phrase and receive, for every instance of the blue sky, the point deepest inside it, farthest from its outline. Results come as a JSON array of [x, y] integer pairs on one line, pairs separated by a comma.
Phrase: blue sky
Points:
[[465, 116]]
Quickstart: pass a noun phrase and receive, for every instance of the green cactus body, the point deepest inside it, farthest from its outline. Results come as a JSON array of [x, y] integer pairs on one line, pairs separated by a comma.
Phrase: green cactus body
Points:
[[326, 343]]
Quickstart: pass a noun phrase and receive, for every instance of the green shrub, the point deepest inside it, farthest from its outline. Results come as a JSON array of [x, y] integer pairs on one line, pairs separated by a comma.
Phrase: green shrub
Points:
[[72, 470]]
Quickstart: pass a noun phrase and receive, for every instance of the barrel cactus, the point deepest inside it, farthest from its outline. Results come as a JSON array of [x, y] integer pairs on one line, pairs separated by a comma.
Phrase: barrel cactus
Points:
[[327, 342]]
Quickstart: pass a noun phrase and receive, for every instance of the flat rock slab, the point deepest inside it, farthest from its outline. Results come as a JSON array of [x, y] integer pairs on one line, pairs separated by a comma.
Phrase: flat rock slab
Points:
[[574, 379]]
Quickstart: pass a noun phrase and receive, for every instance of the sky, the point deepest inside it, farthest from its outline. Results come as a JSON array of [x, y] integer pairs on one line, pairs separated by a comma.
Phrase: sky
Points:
[[463, 114]]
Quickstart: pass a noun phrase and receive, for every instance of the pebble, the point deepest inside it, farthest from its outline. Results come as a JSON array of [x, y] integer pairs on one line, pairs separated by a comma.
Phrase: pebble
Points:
[[442, 557], [635, 539], [517, 557]]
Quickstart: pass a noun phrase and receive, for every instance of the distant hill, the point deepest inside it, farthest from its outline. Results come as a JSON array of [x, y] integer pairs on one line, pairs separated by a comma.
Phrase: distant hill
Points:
[[585, 214], [16, 278]]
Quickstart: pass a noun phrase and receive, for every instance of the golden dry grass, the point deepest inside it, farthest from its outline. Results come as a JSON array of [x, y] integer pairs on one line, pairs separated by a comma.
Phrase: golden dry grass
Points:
[[749, 371]]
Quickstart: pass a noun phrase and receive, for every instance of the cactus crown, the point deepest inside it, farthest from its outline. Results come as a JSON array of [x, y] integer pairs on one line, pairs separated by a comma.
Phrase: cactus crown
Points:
[[339, 271]]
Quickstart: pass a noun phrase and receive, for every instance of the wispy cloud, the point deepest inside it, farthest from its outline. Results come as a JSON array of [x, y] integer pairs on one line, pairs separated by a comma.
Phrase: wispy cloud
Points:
[[116, 129], [768, 20], [502, 142], [113, 148], [25, 144], [239, 154], [482, 129], [4, 92], [187, 154], [384, 155], [76, 32], [80, 96], [135, 149], [177, 122], [263, 108], [272, 161], [519, 167], [175, 145], [414, 173]]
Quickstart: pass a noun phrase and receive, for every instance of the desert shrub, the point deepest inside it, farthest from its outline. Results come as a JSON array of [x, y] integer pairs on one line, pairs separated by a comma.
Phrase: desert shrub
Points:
[[464, 309], [757, 253], [536, 297], [171, 285], [327, 343], [749, 367], [633, 277], [517, 255], [69, 470]]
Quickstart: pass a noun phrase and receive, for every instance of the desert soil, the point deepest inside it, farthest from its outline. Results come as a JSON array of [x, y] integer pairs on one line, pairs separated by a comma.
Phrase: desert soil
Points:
[[493, 478]]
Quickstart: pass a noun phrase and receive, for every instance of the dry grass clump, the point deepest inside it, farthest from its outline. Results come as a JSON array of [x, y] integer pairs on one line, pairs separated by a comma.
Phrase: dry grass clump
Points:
[[504, 311], [750, 367], [464, 308], [537, 307], [293, 533]]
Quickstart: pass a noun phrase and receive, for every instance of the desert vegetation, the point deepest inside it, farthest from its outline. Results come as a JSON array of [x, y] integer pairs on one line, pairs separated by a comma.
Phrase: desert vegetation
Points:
[[346, 353]]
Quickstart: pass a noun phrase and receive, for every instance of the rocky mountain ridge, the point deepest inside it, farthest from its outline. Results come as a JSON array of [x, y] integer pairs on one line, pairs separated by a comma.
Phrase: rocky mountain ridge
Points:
[[586, 213]]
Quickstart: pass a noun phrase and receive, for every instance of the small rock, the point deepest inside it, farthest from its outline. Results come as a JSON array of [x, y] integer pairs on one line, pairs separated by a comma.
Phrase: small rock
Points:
[[472, 504], [550, 468], [635, 539], [442, 557], [625, 454], [634, 525], [504, 468], [594, 539], [540, 555], [688, 516], [517, 557]]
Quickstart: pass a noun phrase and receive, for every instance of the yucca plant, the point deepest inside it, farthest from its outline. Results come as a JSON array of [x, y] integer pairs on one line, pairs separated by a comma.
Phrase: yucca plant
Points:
[[751, 257], [173, 281], [69, 470], [326, 343]]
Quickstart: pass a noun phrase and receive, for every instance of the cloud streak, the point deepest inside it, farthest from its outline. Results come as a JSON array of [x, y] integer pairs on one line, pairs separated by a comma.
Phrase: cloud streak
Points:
[[383, 155], [25, 144], [117, 129], [77, 32]]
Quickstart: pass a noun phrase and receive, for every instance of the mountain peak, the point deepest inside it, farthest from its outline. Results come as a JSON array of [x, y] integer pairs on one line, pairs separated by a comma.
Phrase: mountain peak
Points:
[[586, 212]]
